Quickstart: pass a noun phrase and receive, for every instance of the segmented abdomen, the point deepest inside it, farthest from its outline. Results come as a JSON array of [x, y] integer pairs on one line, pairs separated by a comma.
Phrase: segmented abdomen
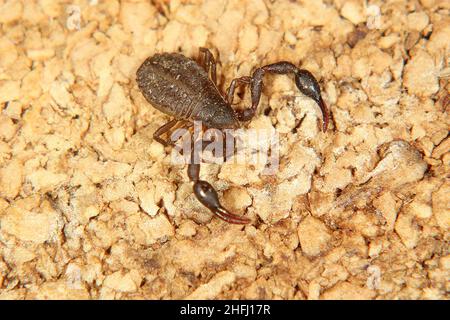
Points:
[[173, 84]]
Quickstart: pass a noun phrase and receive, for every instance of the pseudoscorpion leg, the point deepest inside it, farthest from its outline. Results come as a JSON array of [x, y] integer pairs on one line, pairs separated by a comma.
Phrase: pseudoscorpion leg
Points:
[[163, 129], [209, 63]]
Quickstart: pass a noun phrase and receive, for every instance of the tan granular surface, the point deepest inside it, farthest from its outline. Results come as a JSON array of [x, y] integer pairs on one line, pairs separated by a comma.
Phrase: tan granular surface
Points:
[[91, 207]]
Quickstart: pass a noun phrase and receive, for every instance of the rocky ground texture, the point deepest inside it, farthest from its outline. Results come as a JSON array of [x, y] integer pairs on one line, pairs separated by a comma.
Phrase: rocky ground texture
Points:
[[91, 207]]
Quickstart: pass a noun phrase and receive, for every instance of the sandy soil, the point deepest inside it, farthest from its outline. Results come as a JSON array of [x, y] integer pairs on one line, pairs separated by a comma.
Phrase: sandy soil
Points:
[[91, 207]]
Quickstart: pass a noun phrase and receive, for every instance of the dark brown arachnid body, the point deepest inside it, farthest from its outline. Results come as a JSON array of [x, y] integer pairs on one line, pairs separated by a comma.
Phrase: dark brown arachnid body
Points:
[[187, 91]]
